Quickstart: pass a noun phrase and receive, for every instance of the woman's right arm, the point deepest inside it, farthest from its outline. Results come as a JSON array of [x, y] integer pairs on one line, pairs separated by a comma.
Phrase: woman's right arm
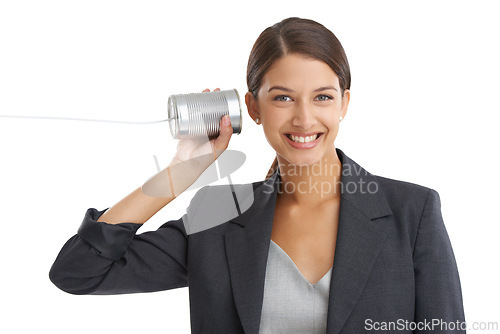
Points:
[[106, 256]]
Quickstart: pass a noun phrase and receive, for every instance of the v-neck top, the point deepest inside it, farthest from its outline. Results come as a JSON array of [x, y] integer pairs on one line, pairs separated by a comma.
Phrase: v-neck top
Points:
[[291, 303]]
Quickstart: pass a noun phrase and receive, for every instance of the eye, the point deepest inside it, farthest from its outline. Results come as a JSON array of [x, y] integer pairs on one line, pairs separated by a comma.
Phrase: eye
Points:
[[324, 97], [282, 98]]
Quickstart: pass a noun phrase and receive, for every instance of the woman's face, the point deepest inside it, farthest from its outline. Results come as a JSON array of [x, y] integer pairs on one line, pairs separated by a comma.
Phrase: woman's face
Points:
[[300, 96]]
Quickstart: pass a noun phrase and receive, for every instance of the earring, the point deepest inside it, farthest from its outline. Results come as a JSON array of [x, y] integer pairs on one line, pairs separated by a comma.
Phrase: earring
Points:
[[341, 118], [257, 120]]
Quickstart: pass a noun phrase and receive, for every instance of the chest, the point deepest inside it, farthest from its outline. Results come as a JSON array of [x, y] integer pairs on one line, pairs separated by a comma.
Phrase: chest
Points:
[[308, 235]]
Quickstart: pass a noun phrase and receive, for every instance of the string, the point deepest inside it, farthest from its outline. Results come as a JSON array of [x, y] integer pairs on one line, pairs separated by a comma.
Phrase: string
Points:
[[85, 119]]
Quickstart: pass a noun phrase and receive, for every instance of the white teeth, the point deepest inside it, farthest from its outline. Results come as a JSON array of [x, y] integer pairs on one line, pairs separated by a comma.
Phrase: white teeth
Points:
[[308, 139]]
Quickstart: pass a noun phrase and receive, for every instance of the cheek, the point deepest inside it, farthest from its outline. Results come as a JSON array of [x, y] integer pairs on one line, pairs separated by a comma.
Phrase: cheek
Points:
[[272, 121], [333, 118], [330, 118], [271, 131]]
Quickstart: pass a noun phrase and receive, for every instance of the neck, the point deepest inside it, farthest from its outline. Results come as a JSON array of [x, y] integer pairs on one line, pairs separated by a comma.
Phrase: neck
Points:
[[311, 185]]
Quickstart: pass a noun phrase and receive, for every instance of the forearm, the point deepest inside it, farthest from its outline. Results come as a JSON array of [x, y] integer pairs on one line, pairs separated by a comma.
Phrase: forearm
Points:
[[144, 202], [134, 208]]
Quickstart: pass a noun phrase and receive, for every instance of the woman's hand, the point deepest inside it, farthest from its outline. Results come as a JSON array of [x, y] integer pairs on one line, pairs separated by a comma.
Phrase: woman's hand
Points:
[[193, 157]]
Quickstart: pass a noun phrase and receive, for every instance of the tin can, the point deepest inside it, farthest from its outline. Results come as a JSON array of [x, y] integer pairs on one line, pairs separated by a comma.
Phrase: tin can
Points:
[[199, 114]]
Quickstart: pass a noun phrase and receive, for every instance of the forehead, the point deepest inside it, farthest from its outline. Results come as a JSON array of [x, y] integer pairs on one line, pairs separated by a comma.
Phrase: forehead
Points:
[[298, 71]]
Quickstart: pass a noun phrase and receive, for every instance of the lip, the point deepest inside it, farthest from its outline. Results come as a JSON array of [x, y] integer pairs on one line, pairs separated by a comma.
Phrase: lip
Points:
[[303, 146]]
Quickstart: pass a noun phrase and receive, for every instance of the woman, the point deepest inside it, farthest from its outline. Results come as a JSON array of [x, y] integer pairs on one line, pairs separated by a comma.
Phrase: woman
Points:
[[320, 246]]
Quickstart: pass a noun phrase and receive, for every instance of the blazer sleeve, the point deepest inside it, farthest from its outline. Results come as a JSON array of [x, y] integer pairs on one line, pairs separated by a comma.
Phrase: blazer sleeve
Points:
[[104, 259], [437, 283]]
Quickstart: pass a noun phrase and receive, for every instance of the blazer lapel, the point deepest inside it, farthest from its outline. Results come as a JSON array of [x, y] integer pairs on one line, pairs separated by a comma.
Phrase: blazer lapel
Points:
[[247, 249], [359, 241]]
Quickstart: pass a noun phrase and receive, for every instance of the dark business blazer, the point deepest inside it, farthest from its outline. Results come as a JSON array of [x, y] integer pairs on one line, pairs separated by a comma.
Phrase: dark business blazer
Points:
[[393, 258]]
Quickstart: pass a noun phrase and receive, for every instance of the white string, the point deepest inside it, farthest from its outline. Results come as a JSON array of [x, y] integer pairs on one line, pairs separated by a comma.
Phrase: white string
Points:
[[83, 119]]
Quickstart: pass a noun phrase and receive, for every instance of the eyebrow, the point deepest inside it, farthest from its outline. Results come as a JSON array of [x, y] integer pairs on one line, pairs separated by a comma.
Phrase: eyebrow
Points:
[[291, 90]]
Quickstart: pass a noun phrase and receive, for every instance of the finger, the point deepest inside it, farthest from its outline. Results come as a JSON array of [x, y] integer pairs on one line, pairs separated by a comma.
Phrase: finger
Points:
[[226, 131], [206, 90], [217, 90]]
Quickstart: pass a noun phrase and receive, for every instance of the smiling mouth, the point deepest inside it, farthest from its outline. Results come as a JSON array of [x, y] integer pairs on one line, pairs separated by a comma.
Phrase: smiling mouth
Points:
[[307, 139]]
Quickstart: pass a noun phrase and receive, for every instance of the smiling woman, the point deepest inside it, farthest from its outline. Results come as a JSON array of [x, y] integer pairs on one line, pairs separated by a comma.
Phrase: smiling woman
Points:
[[300, 105], [323, 246], [277, 51]]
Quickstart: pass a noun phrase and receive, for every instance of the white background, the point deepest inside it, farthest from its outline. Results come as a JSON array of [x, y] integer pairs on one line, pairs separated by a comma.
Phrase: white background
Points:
[[424, 109]]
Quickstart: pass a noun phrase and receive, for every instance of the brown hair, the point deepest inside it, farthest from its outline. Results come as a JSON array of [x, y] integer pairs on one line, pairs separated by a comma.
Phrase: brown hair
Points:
[[299, 36]]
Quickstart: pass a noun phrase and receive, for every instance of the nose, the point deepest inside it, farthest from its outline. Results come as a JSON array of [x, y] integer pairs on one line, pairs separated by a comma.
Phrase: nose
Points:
[[304, 117]]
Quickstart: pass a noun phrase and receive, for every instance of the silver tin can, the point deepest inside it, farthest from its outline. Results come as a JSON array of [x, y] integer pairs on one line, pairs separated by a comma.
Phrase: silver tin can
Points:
[[199, 114]]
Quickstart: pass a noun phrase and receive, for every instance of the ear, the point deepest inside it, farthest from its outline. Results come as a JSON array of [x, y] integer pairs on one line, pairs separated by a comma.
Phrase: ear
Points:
[[345, 102], [252, 105]]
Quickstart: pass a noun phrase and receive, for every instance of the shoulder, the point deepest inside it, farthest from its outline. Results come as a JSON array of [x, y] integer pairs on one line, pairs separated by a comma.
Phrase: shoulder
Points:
[[402, 196], [401, 187], [411, 204], [406, 197]]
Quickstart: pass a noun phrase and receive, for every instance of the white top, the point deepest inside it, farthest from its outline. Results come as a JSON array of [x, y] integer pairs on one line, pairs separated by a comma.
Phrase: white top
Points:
[[292, 304]]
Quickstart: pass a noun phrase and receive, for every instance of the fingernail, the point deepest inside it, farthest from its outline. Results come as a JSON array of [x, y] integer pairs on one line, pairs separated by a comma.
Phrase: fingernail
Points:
[[226, 120]]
